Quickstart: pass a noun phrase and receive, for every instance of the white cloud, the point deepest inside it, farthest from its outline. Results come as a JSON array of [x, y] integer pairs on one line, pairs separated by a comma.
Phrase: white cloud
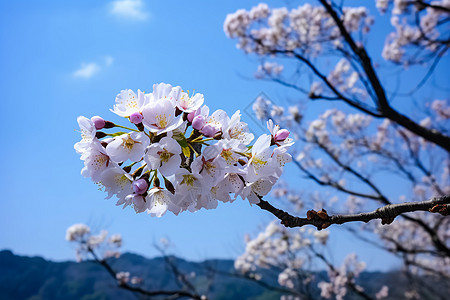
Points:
[[109, 60], [129, 9], [87, 70]]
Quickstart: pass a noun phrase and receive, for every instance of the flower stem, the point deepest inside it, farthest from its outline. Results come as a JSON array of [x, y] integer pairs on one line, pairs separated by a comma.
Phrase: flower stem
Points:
[[120, 126]]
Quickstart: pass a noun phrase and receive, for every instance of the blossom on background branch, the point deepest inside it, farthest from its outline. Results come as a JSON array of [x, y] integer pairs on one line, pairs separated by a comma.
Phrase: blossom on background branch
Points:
[[355, 154], [289, 253], [304, 33], [91, 246]]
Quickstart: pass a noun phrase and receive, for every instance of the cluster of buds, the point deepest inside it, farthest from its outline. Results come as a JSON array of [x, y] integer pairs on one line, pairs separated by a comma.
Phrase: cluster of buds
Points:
[[178, 156]]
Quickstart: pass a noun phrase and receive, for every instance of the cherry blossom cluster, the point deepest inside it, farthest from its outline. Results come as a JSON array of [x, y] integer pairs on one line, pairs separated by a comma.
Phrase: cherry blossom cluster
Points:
[[310, 29], [100, 244], [86, 242], [417, 244], [178, 156], [274, 245], [263, 30], [344, 78], [269, 68], [343, 277], [289, 253], [281, 249], [417, 24], [125, 278]]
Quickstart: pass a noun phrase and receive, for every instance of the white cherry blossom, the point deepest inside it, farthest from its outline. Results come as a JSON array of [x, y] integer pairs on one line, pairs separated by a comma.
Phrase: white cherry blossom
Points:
[[164, 156], [88, 131], [280, 156], [138, 202], [128, 146], [214, 123], [207, 201], [116, 182], [256, 189], [127, 103], [159, 116], [95, 162], [232, 183], [165, 91], [188, 103], [77, 231], [260, 163], [238, 130], [188, 187], [230, 152], [210, 165], [159, 201]]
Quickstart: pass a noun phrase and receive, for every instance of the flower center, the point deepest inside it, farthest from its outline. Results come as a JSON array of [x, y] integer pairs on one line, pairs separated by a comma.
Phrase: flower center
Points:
[[161, 121], [85, 135], [188, 180], [209, 167], [235, 132], [165, 155], [129, 143], [227, 154], [159, 198], [99, 161], [131, 104], [258, 163], [121, 180]]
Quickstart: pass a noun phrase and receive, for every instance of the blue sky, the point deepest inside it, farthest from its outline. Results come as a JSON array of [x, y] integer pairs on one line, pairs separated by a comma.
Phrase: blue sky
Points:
[[62, 59]]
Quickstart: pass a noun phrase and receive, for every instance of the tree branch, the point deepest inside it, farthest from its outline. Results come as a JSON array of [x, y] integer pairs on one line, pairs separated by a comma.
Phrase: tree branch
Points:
[[384, 107], [386, 213], [422, 4], [263, 284], [174, 293]]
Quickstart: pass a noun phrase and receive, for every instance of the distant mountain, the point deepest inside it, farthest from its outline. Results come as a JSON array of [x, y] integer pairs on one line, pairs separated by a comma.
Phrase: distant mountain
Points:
[[34, 278]]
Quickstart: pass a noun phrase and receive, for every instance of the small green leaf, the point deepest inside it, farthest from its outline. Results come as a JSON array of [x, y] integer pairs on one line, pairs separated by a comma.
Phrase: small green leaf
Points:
[[186, 151], [181, 140]]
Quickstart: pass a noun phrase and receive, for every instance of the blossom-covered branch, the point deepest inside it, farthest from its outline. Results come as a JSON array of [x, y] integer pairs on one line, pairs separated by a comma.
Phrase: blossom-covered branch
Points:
[[306, 32], [381, 99], [289, 254], [90, 245], [387, 213]]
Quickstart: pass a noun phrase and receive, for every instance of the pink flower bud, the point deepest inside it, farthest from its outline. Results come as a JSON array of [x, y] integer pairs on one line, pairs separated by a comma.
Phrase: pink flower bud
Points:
[[209, 131], [99, 122], [198, 122], [191, 116], [140, 186], [281, 135], [136, 118]]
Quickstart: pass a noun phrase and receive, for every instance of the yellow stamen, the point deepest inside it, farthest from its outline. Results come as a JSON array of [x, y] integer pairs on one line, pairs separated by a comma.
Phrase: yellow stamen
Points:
[[165, 155], [188, 180], [129, 143], [161, 121], [258, 163]]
